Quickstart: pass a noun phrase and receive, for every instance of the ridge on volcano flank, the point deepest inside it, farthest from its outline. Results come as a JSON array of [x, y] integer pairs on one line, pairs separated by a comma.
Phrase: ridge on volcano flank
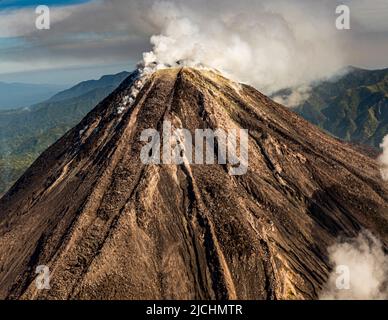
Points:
[[110, 227]]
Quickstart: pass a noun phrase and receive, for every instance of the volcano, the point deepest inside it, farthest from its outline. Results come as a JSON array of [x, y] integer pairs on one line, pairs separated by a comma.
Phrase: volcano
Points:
[[108, 226]]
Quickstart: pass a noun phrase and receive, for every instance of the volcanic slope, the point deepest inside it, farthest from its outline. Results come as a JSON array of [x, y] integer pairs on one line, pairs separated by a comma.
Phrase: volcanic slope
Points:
[[110, 227]]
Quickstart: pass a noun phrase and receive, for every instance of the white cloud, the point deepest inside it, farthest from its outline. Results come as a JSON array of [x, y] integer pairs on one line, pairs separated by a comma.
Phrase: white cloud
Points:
[[383, 159], [270, 46], [16, 23], [367, 264], [297, 96]]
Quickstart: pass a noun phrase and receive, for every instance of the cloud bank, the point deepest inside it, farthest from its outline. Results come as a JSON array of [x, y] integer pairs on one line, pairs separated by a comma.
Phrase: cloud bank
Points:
[[367, 264]]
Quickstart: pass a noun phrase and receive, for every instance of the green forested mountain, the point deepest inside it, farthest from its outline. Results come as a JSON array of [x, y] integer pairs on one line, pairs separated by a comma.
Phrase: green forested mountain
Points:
[[90, 85], [25, 133], [353, 107]]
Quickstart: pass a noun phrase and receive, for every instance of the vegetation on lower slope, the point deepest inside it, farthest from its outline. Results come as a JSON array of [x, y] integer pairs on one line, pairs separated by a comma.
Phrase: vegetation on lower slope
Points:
[[353, 107], [26, 133]]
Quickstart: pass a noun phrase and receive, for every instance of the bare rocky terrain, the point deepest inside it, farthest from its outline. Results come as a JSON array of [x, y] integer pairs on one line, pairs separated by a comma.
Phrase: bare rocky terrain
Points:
[[110, 227]]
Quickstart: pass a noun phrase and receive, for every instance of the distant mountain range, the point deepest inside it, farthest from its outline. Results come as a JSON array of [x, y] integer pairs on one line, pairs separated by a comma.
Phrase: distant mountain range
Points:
[[108, 81], [353, 107], [19, 95], [25, 133]]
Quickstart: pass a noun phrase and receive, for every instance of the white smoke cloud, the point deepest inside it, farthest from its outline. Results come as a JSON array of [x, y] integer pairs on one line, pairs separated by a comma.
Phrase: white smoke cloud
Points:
[[268, 45], [383, 159], [367, 266], [295, 98]]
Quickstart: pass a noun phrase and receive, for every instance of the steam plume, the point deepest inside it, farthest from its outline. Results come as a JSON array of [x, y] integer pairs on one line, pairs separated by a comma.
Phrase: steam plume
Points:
[[266, 45], [295, 98], [384, 158], [364, 259]]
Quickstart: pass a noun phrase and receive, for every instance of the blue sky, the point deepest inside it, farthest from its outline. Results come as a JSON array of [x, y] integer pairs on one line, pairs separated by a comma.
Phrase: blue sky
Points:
[[17, 4], [55, 55]]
